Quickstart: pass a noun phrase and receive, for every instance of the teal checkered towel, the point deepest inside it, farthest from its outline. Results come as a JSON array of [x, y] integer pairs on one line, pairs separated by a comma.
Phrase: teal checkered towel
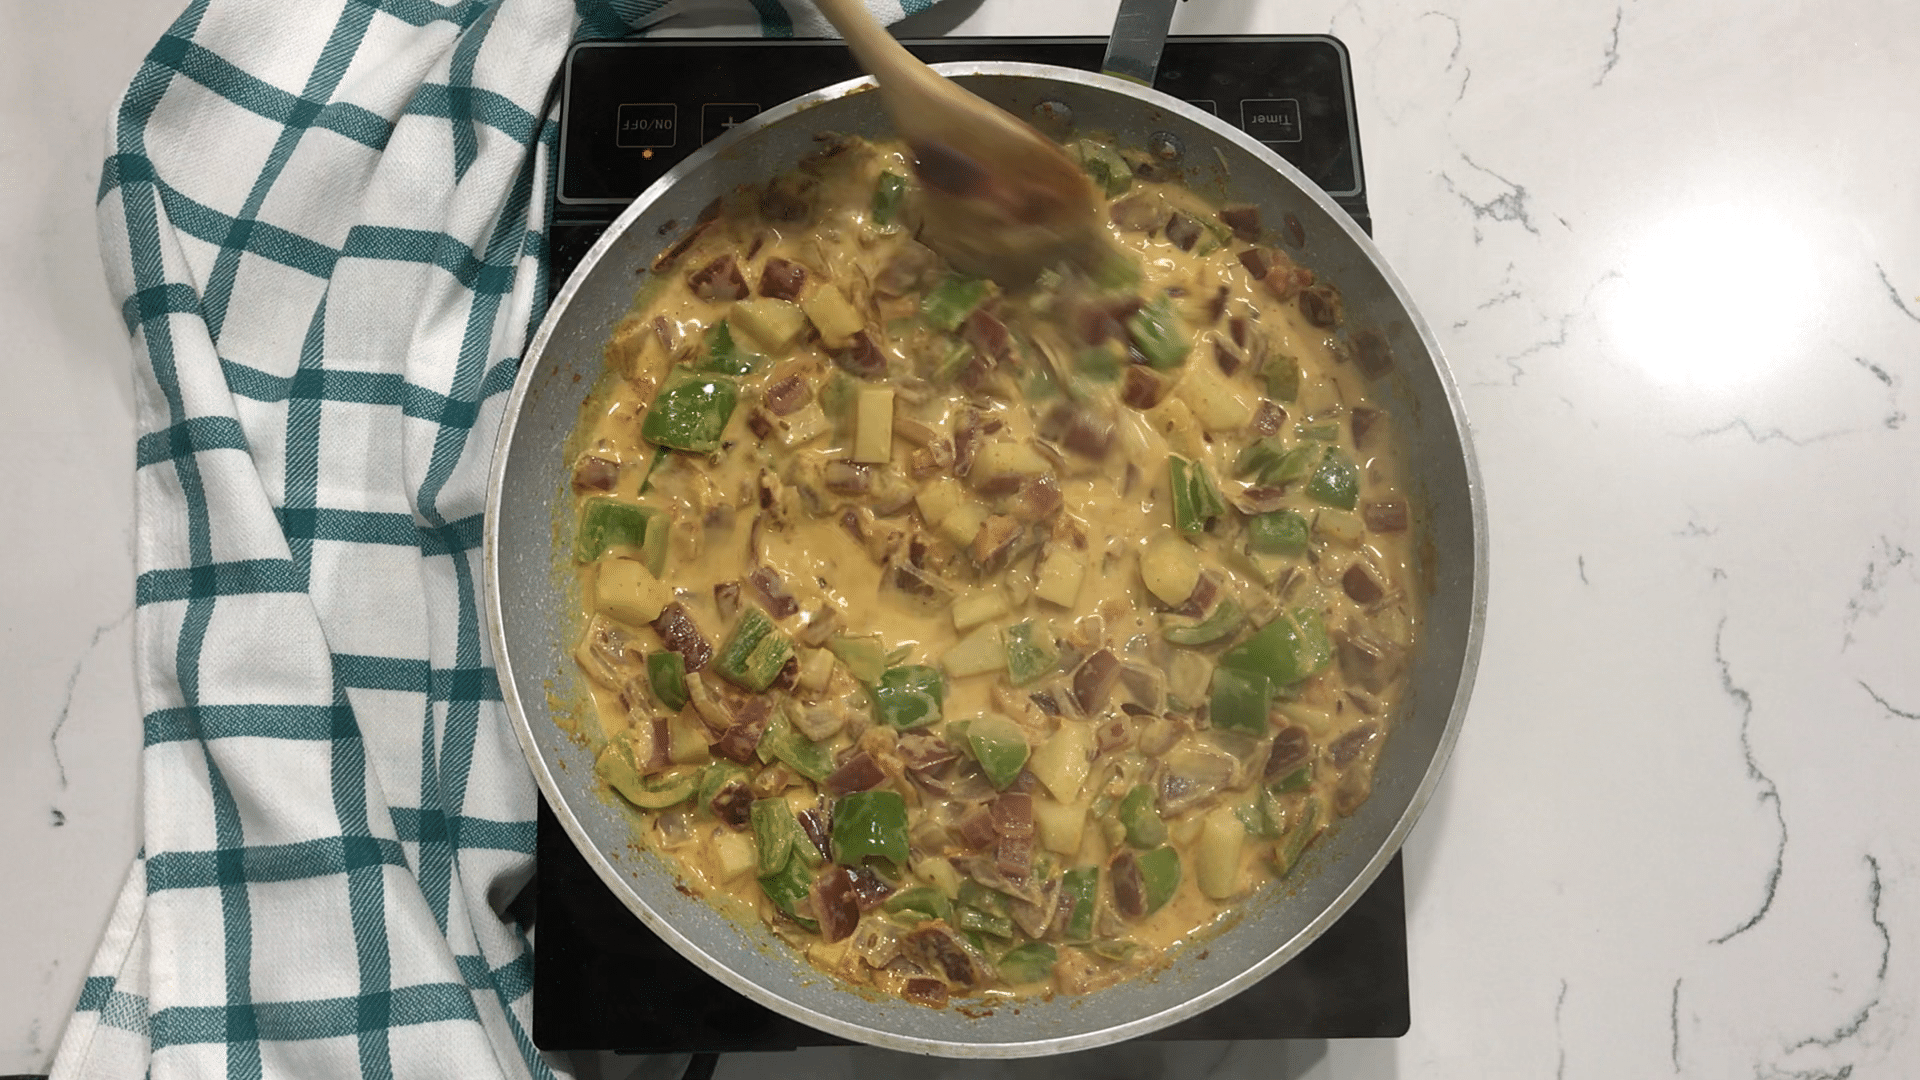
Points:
[[324, 223]]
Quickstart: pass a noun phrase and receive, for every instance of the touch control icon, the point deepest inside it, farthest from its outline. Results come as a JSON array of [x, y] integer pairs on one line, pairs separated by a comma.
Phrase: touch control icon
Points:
[[716, 117], [1271, 120], [649, 125]]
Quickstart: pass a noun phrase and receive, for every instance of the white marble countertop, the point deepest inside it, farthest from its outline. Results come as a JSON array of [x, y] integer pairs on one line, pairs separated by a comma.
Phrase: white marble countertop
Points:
[[1672, 252]]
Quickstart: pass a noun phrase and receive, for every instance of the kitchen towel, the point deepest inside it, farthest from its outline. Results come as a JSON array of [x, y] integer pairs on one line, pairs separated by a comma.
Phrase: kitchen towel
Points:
[[324, 225]]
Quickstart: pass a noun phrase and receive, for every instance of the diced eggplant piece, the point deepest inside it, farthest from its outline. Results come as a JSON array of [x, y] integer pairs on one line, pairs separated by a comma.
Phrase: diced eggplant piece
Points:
[[1013, 814], [788, 198], [1183, 232], [788, 395], [834, 904], [1290, 750], [1255, 261], [1349, 746], [861, 358], [782, 280], [985, 332], [592, 473], [1243, 220], [1362, 420], [1142, 213], [682, 635], [718, 280], [772, 593], [976, 830], [997, 536], [936, 946], [1261, 499], [1268, 418], [1013, 856], [1322, 306], [741, 740], [1385, 516], [1094, 680], [1368, 663], [1192, 774], [1038, 499], [925, 991], [1129, 888], [733, 805], [858, 773], [1360, 586], [726, 599], [814, 823], [870, 890], [1225, 358], [1142, 388]]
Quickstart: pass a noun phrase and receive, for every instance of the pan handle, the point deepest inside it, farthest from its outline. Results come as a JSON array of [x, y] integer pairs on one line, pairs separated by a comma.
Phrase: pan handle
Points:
[[1139, 33]]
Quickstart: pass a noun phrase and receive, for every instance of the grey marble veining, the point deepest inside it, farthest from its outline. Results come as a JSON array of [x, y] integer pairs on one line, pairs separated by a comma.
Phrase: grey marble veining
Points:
[[1670, 251]]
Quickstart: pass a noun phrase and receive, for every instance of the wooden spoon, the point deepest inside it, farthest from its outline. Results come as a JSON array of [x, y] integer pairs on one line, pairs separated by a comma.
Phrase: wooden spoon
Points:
[[1005, 201]]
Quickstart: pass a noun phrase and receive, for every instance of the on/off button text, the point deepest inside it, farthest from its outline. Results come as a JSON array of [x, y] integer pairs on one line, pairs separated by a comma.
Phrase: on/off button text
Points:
[[1271, 120], [646, 125]]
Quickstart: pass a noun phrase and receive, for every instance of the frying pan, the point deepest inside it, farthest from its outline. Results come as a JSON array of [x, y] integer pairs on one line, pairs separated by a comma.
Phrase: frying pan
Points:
[[532, 605]]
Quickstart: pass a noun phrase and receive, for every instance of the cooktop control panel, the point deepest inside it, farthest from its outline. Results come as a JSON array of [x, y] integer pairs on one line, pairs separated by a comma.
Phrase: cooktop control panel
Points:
[[631, 110]]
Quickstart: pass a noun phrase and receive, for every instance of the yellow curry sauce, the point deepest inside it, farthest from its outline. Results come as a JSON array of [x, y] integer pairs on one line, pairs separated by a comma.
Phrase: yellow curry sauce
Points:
[[986, 643]]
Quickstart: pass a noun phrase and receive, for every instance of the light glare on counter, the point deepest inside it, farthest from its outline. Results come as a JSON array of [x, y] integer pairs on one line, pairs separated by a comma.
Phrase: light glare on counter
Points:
[[1718, 295]]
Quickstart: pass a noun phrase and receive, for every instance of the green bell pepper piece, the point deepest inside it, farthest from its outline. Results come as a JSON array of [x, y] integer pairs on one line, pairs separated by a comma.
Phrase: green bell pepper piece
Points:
[[1029, 963], [1144, 827], [714, 777], [690, 412], [1283, 532], [1261, 815], [1110, 171], [1336, 482], [667, 675], [1158, 335], [909, 696], [1320, 431], [723, 356], [1286, 853], [781, 742], [1297, 780], [888, 192], [863, 656], [754, 653], [1196, 500], [608, 522], [919, 903], [1103, 365], [1259, 456], [650, 792], [660, 455], [978, 896], [951, 301], [1225, 619], [982, 922], [1240, 700], [1083, 885], [1283, 378], [868, 823], [776, 832], [787, 887], [1031, 653], [1000, 746], [1286, 650], [1160, 872]]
